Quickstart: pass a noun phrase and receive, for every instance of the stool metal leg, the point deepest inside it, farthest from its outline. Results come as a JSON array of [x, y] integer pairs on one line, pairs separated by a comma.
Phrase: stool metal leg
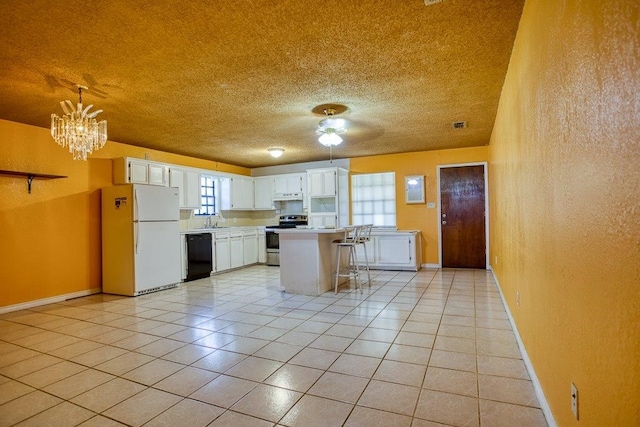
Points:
[[366, 263], [337, 268], [353, 267]]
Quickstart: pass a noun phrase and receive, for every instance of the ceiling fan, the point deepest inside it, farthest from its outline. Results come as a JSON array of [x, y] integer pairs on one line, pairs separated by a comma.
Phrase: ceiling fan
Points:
[[330, 129], [337, 120]]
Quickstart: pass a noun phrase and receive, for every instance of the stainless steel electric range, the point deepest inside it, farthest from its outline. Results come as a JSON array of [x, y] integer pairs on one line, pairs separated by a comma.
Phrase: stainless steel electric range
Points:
[[272, 238]]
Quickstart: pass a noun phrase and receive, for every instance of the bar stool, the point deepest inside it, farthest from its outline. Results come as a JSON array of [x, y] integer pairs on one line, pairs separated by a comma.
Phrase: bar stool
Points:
[[349, 242], [363, 238]]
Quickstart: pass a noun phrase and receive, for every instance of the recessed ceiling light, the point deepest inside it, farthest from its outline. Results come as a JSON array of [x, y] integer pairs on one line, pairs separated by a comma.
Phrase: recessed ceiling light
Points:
[[276, 152]]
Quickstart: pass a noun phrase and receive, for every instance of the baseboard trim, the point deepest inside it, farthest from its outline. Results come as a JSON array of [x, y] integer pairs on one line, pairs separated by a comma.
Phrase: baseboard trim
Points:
[[430, 266], [544, 405], [50, 300]]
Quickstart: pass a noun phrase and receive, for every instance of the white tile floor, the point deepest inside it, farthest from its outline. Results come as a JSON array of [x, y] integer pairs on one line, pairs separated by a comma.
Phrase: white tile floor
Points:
[[423, 349]]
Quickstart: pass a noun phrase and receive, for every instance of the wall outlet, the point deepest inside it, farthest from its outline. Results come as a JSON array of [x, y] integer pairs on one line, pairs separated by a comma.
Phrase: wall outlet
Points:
[[574, 400], [495, 260], [147, 156], [518, 298]]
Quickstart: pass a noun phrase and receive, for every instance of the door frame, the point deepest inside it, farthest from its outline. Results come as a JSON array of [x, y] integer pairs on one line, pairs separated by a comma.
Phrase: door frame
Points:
[[486, 209]]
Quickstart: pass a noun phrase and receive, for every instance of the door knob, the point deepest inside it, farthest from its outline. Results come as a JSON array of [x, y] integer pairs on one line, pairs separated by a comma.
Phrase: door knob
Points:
[[444, 222], [444, 215]]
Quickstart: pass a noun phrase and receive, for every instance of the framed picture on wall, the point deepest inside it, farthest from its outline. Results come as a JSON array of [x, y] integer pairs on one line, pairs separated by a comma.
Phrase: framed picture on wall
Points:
[[414, 189]]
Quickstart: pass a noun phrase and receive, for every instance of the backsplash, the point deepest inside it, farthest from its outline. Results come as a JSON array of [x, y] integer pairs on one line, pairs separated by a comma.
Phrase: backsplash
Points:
[[188, 221]]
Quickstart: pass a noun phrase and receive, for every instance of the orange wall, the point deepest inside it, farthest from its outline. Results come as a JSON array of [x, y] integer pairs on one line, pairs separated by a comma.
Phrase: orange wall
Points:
[[418, 216], [50, 239], [565, 203]]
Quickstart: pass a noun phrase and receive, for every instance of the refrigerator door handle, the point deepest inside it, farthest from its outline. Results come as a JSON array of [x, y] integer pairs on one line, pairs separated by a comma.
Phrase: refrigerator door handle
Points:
[[135, 207], [135, 235]]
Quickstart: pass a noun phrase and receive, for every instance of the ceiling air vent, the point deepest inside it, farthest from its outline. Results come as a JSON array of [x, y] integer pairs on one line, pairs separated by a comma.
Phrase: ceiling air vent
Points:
[[428, 2], [459, 125]]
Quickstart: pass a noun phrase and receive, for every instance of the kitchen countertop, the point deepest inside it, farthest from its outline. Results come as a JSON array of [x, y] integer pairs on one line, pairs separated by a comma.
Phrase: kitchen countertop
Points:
[[374, 231], [213, 230], [337, 230], [308, 230]]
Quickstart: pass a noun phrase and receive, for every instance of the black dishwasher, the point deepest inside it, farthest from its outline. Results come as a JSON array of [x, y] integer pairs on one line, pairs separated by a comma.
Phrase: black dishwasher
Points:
[[198, 256]]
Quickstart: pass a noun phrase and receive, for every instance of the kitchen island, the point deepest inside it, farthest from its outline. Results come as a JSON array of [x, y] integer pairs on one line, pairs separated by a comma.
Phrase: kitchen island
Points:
[[307, 259]]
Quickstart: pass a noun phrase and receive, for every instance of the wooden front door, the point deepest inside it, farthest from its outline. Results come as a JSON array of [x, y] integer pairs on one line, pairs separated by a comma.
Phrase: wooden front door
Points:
[[462, 219]]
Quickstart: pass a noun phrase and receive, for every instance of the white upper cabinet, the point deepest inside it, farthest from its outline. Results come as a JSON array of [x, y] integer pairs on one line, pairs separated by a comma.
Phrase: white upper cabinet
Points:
[[138, 171], [328, 193], [192, 190], [288, 183], [158, 174], [322, 182], [236, 193], [263, 192], [188, 183], [242, 193]]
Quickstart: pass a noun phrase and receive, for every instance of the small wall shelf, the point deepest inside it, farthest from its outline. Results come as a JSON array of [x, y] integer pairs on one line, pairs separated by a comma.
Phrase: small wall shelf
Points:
[[30, 176]]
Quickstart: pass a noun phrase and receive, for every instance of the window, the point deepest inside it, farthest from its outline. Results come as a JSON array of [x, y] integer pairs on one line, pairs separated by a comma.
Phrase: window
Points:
[[373, 199], [207, 196]]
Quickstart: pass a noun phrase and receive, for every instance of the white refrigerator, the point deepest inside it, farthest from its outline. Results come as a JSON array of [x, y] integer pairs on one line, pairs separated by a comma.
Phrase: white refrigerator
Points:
[[140, 239]]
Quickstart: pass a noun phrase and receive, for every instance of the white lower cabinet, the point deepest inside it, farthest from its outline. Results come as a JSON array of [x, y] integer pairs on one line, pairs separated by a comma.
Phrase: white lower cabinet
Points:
[[222, 251], [401, 250], [232, 248], [183, 256], [395, 250], [371, 252], [236, 250], [250, 247], [262, 247], [213, 253]]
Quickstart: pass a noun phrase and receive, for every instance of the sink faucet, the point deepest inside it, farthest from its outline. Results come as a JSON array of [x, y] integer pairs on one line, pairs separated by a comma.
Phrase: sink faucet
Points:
[[207, 223]]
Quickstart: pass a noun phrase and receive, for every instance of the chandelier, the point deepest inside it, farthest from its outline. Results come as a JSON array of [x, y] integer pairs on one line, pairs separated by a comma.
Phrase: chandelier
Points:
[[330, 129], [78, 129]]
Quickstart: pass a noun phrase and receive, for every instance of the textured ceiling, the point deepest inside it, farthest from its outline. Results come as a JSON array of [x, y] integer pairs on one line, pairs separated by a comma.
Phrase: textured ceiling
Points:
[[225, 81]]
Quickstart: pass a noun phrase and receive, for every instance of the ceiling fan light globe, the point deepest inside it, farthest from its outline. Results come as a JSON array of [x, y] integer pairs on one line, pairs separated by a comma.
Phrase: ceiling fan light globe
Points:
[[330, 139]]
